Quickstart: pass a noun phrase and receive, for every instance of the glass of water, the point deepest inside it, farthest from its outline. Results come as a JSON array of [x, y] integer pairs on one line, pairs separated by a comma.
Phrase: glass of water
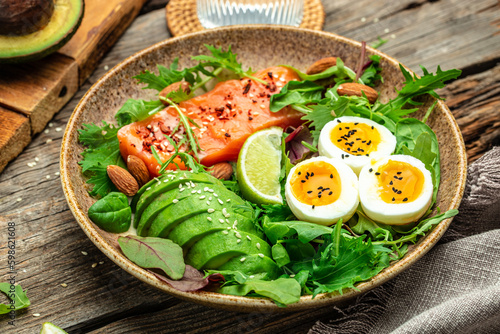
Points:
[[217, 13]]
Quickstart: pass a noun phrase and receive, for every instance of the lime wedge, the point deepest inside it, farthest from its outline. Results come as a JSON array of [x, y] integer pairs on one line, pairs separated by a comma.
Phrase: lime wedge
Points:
[[259, 165], [49, 328]]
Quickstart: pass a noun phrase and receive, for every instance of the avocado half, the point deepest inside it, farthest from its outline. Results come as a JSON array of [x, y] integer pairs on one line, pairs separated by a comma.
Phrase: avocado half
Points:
[[62, 25]]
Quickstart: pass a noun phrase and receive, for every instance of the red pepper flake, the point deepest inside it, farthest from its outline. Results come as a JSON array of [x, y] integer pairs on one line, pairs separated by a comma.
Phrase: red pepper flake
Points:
[[227, 135], [250, 118], [270, 75], [247, 88]]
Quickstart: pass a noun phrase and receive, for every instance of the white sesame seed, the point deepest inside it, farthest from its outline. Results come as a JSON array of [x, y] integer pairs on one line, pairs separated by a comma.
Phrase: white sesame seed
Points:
[[275, 76], [202, 197], [209, 219], [248, 237], [94, 265], [193, 191], [225, 232], [101, 262], [106, 67], [261, 255], [251, 95], [292, 275], [180, 186], [191, 182], [243, 259], [224, 211], [19, 199], [237, 235], [46, 131], [210, 210], [57, 173], [48, 141], [85, 253], [386, 30], [47, 176], [258, 245], [148, 188], [188, 184], [363, 19], [282, 79], [199, 191], [64, 285], [251, 276], [256, 114], [208, 202], [51, 125], [181, 178], [220, 201], [228, 227], [210, 198], [205, 189], [216, 195], [182, 189], [36, 159], [36, 314], [29, 164], [238, 241], [221, 220], [175, 201], [393, 36], [376, 19], [227, 221], [210, 190], [58, 129], [262, 106]]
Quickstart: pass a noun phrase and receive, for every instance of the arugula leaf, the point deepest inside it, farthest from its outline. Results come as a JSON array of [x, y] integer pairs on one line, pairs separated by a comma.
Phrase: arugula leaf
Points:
[[379, 42], [166, 76], [103, 150], [227, 60], [372, 73], [150, 252], [339, 71], [283, 291], [361, 223], [343, 261], [296, 93], [18, 296], [137, 110]]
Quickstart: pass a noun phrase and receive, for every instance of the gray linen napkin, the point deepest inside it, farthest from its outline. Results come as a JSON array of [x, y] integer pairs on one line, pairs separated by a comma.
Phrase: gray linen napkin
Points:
[[455, 288]]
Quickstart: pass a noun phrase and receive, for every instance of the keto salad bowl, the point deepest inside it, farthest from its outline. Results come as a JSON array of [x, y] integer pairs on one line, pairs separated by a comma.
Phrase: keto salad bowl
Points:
[[257, 47]]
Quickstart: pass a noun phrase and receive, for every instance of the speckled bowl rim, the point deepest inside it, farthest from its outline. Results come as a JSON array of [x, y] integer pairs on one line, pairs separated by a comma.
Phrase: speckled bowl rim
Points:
[[229, 302]]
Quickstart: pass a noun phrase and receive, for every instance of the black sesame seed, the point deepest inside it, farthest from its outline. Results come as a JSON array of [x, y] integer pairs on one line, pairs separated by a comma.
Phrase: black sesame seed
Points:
[[393, 199], [391, 183], [369, 142], [299, 173], [364, 141], [310, 191], [312, 174], [340, 128], [347, 155], [377, 173], [331, 176], [356, 123], [370, 170], [347, 127], [319, 196], [338, 120], [330, 193], [313, 206], [303, 181], [339, 140], [372, 127], [358, 138], [308, 174], [399, 192], [348, 148], [397, 178], [325, 189], [400, 178], [320, 187], [405, 199], [399, 173], [342, 156]]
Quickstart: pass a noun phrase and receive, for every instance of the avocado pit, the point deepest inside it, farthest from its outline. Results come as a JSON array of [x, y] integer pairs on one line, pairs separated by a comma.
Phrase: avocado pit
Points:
[[23, 17]]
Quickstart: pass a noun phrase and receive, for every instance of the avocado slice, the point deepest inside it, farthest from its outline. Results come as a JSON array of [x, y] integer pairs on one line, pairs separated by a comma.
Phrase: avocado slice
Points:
[[193, 205], [253, 265], [162, 202], [193, 229], [62, 25], [169, 182], [217, 248]]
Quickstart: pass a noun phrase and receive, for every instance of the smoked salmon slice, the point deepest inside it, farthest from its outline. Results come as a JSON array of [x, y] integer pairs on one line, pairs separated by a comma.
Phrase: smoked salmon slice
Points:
[[226, 116]]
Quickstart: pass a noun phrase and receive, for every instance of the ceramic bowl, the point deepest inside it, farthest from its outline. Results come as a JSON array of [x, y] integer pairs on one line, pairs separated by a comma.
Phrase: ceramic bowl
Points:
[[257, 47]]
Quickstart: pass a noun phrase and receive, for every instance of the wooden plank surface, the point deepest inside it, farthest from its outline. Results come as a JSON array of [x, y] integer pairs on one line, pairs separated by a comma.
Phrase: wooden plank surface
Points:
[[15, 135], [39, 89], [105, 299]]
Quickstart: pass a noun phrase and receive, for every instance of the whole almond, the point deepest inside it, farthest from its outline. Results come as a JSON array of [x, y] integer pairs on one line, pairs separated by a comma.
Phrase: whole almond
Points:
[[138, 169], [222, 170], [356, 89], [185, 86], [123, 180], [321, 65]]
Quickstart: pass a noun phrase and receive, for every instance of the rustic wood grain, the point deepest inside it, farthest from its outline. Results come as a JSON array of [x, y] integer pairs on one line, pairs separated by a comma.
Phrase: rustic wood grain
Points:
[[104, 298], [103, 23], [39, 89], [15, 134]]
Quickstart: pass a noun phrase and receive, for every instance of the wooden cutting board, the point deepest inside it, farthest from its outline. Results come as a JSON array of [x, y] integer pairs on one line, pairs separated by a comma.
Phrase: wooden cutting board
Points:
[[32, 93]]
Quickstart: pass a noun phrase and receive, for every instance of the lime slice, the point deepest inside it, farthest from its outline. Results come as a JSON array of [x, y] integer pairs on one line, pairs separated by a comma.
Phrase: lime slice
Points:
[[48, 328], [259, 165]]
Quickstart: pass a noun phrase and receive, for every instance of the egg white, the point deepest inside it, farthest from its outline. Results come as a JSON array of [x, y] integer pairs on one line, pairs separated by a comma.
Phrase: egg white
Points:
[[344, 207], [326, 148], [393, 213]]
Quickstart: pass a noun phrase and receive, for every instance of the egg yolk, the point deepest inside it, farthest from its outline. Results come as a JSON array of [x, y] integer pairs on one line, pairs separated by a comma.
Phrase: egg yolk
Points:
[[399, 182], [355, 138], [316, 183]]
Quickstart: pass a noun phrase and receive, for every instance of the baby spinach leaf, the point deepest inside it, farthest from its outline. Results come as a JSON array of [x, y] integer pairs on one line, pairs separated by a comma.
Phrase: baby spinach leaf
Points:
[[112, 213], [280, 255], [284, 291], [297, 250], [305, 231], [18, 296], [150, 252]]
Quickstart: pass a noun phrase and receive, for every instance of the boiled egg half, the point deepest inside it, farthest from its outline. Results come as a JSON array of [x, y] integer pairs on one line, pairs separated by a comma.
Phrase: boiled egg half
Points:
[[356, 141], [395, 190], [322, 190]]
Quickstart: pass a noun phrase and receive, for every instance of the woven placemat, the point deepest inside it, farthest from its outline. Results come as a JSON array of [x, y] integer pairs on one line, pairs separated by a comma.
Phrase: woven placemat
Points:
[[182, 17]]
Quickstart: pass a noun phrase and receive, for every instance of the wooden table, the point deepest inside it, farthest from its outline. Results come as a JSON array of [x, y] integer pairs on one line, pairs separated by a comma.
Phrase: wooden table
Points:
[[72, 284]]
